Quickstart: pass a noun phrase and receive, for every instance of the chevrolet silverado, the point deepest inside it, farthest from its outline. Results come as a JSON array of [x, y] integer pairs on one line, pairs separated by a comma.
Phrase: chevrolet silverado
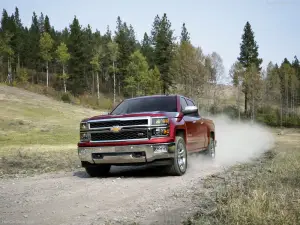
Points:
[[160, 129]]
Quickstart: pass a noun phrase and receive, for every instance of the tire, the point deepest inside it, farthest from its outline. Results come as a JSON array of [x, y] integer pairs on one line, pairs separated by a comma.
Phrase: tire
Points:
[[211, 149], [98, 171], [179, 165]]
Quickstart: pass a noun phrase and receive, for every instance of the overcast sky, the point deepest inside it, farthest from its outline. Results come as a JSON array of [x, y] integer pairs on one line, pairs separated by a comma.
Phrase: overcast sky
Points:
[[214, 25]]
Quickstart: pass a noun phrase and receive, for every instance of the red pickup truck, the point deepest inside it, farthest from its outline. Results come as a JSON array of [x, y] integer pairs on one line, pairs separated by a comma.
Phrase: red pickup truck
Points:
[[159, 129]]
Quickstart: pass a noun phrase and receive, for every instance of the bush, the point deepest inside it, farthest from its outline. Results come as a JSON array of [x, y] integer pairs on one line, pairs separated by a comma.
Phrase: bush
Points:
[[271, 117], [231, 111], [22, 76], [65, 97], [102, 103]]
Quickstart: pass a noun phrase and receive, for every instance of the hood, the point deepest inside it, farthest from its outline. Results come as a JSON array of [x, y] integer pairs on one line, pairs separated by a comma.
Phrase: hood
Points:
[[140, 114]]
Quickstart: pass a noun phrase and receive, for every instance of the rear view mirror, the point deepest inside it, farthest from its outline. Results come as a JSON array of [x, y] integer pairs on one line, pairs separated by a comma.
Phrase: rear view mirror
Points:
[[190, 110]]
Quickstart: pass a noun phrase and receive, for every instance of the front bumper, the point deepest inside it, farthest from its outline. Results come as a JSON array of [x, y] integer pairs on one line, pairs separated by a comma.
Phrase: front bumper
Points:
[[128, 154]]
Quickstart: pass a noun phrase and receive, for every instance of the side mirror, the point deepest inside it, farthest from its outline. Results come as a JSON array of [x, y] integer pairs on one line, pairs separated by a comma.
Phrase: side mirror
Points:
[[190, 110]]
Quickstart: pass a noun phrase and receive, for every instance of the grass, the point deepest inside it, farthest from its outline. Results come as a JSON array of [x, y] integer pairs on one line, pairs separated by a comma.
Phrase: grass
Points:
[[263, 192], [37, 134], [86, 100]]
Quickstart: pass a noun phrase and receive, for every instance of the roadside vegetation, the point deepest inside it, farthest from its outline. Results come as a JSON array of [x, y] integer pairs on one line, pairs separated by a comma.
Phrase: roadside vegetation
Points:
[[263, 192], [37, 134]]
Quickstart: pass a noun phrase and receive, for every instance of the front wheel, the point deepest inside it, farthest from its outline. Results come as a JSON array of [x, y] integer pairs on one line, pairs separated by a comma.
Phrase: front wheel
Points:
[[98, 171], [179, 165]]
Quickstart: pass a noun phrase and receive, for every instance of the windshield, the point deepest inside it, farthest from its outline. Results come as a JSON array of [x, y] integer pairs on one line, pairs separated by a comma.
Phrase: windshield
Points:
[[149, 104]]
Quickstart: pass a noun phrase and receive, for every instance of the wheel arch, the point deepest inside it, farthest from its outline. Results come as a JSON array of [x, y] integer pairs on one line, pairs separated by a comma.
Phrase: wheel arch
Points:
[[181, 132]]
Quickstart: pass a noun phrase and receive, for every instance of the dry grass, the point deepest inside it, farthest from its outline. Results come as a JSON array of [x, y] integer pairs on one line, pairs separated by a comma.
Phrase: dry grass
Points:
[[37, 133], [105, 102], [263, 192]]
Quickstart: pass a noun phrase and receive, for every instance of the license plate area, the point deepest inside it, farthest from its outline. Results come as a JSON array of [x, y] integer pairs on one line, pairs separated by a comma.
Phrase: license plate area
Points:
[[118, 154]]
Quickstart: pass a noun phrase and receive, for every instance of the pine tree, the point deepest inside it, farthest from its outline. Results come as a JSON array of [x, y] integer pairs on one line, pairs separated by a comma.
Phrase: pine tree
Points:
[[185, 36], [33, 38], [87, 54], [163, 41], [41, 22], [18, 40], [147, 50], [248, 56], [4, 21], [77, 81], [47, 27], [125, 38]]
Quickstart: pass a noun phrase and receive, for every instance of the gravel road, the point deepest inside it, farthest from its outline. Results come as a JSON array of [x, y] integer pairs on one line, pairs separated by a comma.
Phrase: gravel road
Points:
[[142, 195]]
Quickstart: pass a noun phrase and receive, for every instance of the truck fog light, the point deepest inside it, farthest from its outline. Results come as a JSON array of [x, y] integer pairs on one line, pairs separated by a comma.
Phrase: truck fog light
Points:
[[160, 149]]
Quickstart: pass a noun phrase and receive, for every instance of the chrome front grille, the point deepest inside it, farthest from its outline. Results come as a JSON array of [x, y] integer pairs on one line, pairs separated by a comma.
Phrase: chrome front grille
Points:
[[121, 123], [127, 129]]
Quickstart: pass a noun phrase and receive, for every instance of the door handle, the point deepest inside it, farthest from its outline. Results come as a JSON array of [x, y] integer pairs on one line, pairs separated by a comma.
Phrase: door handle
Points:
[[201, 122], [194, 121]]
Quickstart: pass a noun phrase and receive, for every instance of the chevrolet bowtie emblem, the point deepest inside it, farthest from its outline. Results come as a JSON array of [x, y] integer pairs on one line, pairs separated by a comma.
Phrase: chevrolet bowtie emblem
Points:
[[115, 129]]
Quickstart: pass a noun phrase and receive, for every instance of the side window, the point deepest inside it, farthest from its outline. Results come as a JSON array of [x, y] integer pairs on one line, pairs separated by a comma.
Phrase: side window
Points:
[[182, 103], [190, 103]]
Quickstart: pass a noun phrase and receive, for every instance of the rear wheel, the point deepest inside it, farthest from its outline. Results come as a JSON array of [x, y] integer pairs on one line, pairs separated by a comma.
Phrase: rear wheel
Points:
[[98, 171], [211, 149], [179, 165]]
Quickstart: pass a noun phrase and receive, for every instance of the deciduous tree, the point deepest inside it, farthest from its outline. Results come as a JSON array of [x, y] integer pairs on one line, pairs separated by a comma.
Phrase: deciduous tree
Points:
[[63, 57], [46, 44]]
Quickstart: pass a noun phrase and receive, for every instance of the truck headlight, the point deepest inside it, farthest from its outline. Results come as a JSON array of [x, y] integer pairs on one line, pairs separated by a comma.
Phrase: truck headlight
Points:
[[83, 126], [84, 137], [160, 121]]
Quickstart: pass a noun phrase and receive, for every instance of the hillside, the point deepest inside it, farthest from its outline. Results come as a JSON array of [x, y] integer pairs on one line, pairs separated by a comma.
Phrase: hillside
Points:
[[32, 123]]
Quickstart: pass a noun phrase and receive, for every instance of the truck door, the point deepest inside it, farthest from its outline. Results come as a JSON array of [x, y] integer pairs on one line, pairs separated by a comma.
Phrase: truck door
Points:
[[191, 144], [199, 127]]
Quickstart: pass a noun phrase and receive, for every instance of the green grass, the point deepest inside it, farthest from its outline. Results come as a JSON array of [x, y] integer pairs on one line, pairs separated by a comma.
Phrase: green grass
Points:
[[37, 133], [265, 192]]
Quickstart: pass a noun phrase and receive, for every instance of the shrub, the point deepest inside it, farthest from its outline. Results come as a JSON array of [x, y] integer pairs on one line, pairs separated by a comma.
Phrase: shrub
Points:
[[66, 97], [22, 76]]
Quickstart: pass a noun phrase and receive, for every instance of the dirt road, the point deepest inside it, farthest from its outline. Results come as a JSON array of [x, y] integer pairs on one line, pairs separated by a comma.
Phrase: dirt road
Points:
[[142, 195]]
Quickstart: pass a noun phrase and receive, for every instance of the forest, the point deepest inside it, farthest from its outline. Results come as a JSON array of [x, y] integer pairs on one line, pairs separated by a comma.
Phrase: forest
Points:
[[99, 69]]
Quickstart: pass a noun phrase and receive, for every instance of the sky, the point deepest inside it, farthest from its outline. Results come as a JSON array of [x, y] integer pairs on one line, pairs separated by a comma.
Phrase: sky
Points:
[[214, 25]]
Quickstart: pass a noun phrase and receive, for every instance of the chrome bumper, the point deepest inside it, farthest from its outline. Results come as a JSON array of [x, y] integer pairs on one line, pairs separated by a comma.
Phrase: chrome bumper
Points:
[[126, 154]]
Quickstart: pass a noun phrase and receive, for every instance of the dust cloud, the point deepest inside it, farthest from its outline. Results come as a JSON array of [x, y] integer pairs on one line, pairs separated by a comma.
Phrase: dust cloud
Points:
[[237, 142]]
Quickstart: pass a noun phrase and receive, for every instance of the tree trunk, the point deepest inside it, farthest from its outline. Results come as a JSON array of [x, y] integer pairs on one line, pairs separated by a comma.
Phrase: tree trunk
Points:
[[47, 74], [65, 85], [239, 107], [98, 89], [253, 107], [246, 102], [114, 83], [93, 83], [18, 67], [281, 108]]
